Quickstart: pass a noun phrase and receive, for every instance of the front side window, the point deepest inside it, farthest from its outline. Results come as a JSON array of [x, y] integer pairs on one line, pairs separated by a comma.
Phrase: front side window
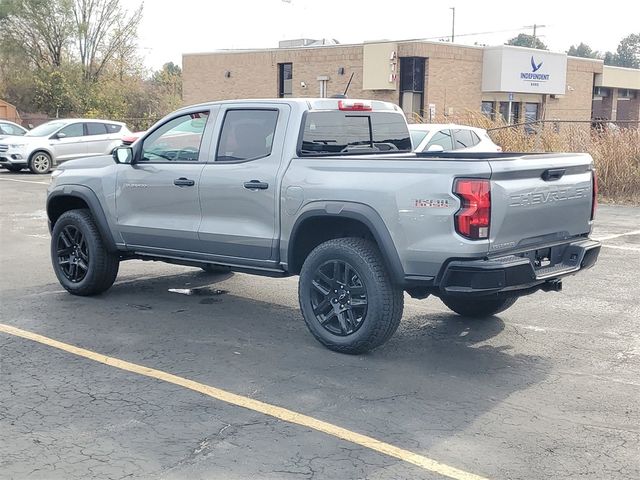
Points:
[[442, 139], [178, 140], [246, 135], [71, 131]]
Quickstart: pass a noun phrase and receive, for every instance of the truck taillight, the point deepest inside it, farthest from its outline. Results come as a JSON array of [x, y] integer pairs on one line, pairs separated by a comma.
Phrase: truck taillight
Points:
[[474, 217], [594, 194], [354, 106]]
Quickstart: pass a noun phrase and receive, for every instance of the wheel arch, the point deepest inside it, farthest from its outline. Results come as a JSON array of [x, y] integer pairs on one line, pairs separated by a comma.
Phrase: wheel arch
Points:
[[71, 197], [322, 222]]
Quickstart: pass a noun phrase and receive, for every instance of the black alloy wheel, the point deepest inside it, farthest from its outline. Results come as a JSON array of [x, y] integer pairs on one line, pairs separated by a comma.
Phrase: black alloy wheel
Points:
[[338, 298], [73, 254]]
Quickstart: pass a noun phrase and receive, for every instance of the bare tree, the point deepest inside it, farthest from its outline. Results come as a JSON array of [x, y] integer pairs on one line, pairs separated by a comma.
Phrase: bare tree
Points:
[[103, 28], [40, 30]]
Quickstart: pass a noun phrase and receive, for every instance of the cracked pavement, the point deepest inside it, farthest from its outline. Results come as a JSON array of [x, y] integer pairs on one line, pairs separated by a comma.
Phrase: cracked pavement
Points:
[[549, 389]]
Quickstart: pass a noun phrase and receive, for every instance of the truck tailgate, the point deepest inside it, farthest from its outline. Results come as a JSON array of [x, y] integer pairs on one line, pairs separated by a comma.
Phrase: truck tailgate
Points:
[[539, 199]]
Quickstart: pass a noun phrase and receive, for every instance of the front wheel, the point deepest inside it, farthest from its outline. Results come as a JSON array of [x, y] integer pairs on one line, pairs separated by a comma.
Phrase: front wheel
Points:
[[478, 307], [80, 258], [347, 298], [40, 163]]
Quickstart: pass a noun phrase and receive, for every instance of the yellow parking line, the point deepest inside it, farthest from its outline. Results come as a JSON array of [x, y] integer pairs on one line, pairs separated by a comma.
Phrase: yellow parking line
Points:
[[255, 405]]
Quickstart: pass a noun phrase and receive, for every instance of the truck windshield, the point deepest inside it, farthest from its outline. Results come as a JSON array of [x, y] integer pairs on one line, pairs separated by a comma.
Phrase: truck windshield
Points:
[[348, 133]]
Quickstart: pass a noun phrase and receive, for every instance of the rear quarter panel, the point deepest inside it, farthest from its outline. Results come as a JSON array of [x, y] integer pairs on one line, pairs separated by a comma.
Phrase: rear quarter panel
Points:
[[413, 197]]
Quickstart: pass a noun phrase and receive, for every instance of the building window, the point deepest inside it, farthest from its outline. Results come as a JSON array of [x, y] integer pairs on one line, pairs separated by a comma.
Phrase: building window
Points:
[[488, 109], [285, 80], [510, 117], [412, 85], [530, 116]]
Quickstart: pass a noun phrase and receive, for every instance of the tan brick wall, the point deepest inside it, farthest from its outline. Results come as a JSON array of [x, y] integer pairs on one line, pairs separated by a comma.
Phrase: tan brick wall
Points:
[[576, 103], [453, 77]]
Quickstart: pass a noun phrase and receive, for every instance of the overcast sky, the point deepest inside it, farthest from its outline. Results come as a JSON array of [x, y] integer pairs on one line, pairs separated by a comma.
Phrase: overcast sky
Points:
[[173, 27]]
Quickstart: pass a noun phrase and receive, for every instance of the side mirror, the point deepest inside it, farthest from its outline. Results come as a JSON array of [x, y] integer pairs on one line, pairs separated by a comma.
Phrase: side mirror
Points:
[[61, 135], [123, 155], [435, 148]]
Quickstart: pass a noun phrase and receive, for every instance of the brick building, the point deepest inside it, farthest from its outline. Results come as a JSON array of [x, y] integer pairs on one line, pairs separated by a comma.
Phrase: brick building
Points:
[[432, 79]]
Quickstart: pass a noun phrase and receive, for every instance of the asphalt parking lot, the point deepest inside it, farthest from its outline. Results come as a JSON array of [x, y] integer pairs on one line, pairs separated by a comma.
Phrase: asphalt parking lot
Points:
[[549, 389]]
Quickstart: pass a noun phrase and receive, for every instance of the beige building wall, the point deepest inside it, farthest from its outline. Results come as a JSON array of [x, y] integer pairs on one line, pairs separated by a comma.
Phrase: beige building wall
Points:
[[453, 78], [576, 103]]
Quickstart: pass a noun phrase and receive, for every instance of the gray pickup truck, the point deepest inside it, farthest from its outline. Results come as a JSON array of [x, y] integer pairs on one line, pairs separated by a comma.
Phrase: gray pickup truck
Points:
[[329, 190]]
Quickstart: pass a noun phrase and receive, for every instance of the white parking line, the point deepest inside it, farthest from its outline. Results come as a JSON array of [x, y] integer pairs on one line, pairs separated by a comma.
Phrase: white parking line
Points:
[[23, 181], [617, 235]]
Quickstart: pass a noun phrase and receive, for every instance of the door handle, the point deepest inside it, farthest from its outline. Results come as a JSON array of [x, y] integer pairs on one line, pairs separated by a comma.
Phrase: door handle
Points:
[[184, 182], [256, 185], [553, 174]]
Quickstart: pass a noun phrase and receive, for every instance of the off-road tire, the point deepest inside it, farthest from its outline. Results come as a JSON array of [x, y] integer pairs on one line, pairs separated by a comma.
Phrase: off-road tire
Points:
[[102, 265], [385, 300], [40, 163], [478, 307]]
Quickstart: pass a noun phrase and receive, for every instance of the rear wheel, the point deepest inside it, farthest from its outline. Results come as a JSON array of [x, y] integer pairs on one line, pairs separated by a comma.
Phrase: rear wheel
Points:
[[478, 307], [40, 163], [80, 258], [347, 298]]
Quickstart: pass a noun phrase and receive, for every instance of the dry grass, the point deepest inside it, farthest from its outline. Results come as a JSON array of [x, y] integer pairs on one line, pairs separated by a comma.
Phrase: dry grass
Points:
[[616, 153]]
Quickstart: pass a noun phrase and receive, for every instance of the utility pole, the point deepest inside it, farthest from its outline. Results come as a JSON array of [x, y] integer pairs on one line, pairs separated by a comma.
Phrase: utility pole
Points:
[[453, 24], [535, 28]]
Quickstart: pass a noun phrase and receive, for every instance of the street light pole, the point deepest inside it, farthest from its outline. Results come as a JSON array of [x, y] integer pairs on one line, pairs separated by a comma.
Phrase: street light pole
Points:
[[453, 24]]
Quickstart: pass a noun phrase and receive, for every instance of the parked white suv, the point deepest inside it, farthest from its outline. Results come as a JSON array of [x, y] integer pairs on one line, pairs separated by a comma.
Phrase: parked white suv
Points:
[[60, 140], [438, 137]]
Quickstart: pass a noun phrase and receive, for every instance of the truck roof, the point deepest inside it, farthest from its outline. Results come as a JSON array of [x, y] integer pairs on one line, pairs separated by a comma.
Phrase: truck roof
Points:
[[313, 103]]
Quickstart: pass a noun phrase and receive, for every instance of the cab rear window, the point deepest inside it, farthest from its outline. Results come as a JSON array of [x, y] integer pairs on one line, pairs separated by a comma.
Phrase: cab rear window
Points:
[[348, 133]]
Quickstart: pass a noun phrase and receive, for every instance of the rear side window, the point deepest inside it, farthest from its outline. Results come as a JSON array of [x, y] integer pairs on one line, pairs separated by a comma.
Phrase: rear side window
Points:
[[96, 129], [465, 138], [441, 138], [246, 134], [113, 128], [333, 133]]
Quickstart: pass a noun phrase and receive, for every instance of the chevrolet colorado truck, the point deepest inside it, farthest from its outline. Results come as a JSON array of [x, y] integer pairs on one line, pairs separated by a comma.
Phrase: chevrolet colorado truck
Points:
[[329, 190]]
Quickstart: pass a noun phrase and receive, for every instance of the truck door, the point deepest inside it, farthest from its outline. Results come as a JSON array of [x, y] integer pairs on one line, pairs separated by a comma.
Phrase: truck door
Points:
[[157, 200], [239, 188]]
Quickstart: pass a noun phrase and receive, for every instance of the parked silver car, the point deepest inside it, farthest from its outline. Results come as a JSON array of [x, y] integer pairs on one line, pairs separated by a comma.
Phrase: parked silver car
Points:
[[59, 140]]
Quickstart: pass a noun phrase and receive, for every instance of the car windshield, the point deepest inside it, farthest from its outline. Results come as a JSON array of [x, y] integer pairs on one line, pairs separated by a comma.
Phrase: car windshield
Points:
[[417, 136], [45, 129]]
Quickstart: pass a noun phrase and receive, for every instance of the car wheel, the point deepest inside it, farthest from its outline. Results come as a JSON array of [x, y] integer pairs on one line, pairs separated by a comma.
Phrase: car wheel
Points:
[[40, 163], [13, 168], [478, 307], [347, 298], [80, 258]]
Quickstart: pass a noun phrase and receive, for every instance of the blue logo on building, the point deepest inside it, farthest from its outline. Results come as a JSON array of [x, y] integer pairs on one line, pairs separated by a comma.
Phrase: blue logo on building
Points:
[[537, 77], [535, 67]]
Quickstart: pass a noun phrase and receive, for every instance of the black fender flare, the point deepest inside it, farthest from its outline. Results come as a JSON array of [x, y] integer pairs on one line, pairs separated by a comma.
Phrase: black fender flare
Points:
[[362, 213], [91, 199]]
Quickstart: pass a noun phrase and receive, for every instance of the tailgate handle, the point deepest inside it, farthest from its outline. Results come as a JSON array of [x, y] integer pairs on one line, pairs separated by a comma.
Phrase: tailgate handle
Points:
[[553, 174]]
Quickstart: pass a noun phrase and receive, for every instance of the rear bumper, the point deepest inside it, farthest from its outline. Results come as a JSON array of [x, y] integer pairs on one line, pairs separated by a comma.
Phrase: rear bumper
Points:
[[518, 274]]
